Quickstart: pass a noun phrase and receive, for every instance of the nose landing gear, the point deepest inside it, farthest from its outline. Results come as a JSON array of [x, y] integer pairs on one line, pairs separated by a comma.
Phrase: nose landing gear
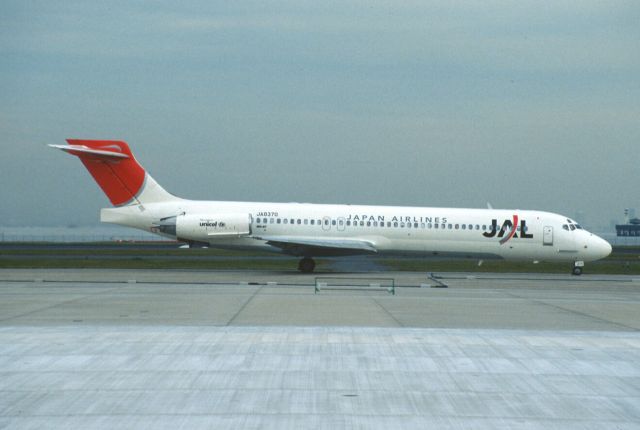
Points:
[[577, 268], [306, 265]]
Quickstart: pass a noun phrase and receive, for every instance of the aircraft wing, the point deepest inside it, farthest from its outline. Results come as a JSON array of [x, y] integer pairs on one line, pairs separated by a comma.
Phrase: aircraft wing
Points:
[[313, 246]]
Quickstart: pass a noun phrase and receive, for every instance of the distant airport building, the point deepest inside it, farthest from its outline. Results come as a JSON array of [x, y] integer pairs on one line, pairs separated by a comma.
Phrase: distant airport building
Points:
[[631, 227]]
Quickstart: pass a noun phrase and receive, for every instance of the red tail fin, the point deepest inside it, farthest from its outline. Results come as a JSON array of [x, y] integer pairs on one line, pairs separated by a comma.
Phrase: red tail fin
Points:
[[112, 165]]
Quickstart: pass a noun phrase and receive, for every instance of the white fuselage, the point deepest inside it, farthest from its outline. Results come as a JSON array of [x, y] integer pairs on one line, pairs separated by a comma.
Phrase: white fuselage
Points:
[[472, 233], [310, 230]]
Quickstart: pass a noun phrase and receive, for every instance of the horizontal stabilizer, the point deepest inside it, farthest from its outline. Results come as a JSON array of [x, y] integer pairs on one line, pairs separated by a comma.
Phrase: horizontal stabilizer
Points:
[[80, 150]]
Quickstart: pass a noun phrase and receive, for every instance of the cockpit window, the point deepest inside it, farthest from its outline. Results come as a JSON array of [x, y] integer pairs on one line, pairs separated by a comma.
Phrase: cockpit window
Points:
[[572, 227]]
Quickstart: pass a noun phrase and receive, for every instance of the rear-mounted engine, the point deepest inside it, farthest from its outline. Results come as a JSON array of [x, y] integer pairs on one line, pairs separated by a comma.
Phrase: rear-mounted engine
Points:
[[205, 227]]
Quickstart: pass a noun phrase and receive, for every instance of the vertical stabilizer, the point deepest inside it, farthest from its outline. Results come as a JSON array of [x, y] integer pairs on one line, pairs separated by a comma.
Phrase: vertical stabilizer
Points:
[[117, 172]]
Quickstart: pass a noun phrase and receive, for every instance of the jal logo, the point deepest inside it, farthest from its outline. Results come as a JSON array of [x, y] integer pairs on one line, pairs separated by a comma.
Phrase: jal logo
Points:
[[508, 230]]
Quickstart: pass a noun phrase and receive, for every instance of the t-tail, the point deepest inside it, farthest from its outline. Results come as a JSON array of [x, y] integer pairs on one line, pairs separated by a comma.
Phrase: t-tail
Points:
[[117, 172], [125, 182]]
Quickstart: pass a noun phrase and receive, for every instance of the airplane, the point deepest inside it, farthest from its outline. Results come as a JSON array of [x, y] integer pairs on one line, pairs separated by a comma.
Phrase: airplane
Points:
[[307, 230]]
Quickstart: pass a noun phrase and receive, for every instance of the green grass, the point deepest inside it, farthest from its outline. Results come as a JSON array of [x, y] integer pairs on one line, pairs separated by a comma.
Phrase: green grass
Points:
[[130, 251], [624, 260], [599, 267], [149, 263]]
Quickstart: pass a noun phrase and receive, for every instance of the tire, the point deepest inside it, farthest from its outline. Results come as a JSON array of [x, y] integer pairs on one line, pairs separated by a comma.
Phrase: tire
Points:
[[577, 271], [306, 265]]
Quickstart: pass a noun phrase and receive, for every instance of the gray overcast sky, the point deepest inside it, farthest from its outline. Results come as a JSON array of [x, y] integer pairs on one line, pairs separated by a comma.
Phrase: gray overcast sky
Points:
[[522, 104]]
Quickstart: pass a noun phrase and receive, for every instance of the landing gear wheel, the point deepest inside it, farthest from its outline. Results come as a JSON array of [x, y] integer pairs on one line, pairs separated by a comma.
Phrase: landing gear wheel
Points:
[[306, 265], [577, 271]]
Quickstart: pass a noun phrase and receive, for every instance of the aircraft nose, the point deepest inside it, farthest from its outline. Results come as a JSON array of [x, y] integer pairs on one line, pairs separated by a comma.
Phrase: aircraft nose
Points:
[[599, 247]]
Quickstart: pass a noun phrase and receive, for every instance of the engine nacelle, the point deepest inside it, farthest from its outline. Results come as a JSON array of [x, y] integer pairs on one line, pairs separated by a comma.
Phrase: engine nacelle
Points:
[[209, 227]]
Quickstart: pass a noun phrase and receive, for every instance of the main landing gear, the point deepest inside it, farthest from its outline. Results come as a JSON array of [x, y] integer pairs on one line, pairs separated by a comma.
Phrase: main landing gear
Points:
[[306, 265], [577, 268]]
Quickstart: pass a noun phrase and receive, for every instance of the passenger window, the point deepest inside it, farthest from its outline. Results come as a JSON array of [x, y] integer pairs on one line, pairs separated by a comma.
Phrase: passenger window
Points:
[[306, 221], [368, 223], [436, 225], [313, 222], [286, 221], [375, 223], [293, 221], [388, 223], [271, 221], [429, 225], [464, 226], [450, 226], [395, 224], [279, 220], [326, 222], [348, 222], [299, 221], [340, 222], [333, 222]]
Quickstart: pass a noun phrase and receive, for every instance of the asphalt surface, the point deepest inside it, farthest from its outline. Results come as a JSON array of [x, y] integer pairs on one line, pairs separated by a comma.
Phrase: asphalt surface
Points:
[[551, 302], [212, 349]]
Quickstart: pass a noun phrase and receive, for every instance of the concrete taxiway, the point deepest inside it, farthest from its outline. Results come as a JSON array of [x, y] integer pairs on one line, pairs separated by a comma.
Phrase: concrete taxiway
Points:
[[167, 349]]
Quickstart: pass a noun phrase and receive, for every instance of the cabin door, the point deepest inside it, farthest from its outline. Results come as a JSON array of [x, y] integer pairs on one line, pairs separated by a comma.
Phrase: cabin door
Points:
[[547, 235]]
